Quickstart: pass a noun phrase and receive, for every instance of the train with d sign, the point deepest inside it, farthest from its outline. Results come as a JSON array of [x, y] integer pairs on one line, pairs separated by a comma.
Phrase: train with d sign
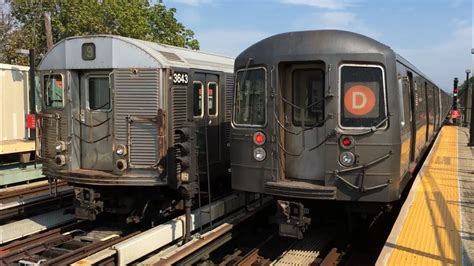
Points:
[[329, 115], [119, 120]]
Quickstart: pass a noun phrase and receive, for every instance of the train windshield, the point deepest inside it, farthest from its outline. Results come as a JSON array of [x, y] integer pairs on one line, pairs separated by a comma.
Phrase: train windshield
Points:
[[308, 95], [249, 102], [362, 96], [53, 91]]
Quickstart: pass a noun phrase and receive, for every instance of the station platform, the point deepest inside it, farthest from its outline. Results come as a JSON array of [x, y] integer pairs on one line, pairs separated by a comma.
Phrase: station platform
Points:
[[13, 176], [436, 223]]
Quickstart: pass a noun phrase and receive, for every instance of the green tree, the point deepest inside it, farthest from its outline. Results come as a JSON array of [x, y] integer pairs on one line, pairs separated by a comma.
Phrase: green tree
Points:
[[136, 19]]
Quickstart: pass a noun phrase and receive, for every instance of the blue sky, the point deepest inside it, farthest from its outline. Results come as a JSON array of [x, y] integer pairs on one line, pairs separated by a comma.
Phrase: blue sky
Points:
[[434, 35]]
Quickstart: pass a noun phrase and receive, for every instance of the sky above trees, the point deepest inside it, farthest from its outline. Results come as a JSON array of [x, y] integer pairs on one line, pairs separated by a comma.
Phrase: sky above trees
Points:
[[434, 35]]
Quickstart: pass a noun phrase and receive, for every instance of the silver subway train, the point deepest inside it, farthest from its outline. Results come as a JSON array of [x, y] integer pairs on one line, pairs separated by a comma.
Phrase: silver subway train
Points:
[[119, 120], [329, 115]]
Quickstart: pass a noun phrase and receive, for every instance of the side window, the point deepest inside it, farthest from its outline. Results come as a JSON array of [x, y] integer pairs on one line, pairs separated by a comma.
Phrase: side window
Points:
[[362, 97], [99, 93], [198, 100], [308, 95], [212, 98], [53, 91]]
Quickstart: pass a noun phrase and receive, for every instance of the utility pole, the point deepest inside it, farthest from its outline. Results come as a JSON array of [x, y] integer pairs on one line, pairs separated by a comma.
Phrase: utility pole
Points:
[[471, 126]]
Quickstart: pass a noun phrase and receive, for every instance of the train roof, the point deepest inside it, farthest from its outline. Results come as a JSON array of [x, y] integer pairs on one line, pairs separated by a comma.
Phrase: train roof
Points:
[[323, 42], [121, 52], [315, 42]]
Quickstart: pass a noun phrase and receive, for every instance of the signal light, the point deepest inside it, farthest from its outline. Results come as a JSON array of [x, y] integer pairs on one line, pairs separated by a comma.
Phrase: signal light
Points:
[[259, 138], [185, 151]]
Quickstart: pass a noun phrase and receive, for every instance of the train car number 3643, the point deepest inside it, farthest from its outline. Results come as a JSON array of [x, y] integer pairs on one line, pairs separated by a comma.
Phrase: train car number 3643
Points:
[[180, 78]]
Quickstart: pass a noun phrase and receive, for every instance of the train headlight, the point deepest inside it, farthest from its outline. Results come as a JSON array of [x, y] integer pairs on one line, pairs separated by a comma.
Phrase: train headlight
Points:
[[121, 164], [60, 146], [347, 158], [121, 150], [60, 160], [259, 154]]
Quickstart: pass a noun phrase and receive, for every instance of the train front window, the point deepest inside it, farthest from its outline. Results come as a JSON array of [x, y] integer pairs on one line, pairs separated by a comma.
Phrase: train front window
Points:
[[99, 93], [308, 96], [249, 101], [53, 91], [362, 97]]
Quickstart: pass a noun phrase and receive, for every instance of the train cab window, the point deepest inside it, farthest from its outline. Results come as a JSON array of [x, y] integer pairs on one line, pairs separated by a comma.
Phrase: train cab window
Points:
[[308, 96], [249, 100], [198, 100], [53, 91], [212, 98], [99, 93], [362, 97]]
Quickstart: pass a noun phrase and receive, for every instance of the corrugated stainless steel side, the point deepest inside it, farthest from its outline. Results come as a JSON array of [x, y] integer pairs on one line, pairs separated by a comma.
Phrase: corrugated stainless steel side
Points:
[[229, 95], [49, 138], [179, 109], [137, 95]]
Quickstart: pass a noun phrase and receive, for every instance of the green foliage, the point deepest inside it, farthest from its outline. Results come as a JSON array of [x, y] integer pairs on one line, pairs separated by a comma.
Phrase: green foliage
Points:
[[135, 18]]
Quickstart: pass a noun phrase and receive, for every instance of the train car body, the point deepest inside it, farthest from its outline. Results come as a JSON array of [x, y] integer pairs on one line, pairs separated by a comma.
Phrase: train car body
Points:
[[329, 115], [15, 136], [114, 111]]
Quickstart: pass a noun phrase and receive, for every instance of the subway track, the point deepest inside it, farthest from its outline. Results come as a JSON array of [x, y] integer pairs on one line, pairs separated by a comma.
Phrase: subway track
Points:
[[317, 248], [31, 199], [247, 237], [63, 245]]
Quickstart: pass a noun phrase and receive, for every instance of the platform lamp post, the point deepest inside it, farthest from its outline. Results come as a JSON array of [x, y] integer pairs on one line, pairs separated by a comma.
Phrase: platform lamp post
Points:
[[465, 96]]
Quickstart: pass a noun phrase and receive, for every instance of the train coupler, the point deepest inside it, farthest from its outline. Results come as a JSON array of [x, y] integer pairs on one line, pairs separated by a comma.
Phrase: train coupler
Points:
[[291, 218], [87, 204]]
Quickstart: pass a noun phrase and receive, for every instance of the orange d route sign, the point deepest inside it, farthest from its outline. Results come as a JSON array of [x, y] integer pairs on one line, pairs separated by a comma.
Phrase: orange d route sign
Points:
[[359, 100]]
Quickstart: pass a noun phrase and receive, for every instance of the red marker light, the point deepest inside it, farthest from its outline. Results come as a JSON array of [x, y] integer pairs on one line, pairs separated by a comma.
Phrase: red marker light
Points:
[[346, 142], [259, 138]]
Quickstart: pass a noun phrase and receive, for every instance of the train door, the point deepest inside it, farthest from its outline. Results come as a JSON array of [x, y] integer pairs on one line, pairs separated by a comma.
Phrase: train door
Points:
[[206, 114], [412, 113], [303, 107], [405, 124], [96, 121], [435, 108], [429, 115]]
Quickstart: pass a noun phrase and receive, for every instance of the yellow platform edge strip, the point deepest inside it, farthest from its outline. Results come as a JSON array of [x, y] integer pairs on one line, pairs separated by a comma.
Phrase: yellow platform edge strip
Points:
[[427, 229]]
